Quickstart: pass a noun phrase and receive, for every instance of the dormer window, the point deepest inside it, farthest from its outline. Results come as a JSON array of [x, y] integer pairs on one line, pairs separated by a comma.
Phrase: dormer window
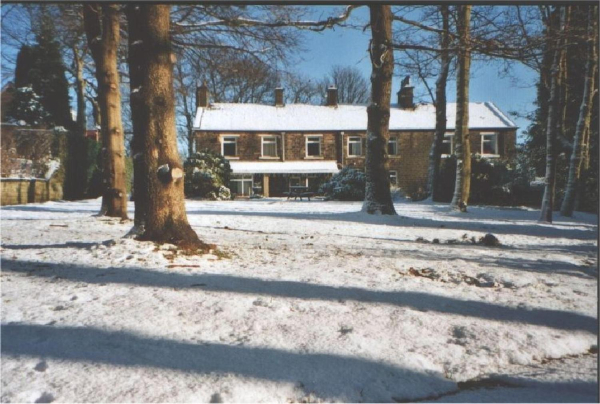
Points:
[[355, 146], [229, 146], [313, 146]]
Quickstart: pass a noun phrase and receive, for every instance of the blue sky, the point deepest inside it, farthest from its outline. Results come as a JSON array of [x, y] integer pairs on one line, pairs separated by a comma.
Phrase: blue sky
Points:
[[349, 47]]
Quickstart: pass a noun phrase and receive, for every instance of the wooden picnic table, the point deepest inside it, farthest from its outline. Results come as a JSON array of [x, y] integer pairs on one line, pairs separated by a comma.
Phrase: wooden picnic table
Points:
[[297, 191]]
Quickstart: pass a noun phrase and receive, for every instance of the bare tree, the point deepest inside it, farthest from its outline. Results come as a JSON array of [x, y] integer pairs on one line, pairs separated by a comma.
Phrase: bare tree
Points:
[[461, 135], [378, 199], [583, 122], [440, 105], [352, 87], [556, 42], [102, 26], [300, 89], [162, 216]]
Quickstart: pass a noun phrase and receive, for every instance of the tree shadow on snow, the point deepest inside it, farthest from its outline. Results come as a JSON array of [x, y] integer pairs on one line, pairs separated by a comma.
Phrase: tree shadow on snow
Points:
[[526, 227], [331, 377], [420, 301]]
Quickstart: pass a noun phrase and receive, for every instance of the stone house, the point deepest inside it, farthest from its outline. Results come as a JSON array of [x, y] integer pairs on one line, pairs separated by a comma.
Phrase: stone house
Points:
[[272, 147]]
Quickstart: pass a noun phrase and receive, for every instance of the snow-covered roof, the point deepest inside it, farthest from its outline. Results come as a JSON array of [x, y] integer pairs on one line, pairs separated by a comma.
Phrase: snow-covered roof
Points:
[[303, 117], [286, 167]]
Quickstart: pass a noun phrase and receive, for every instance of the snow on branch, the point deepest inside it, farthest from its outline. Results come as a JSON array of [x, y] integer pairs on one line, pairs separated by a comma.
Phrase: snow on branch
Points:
[[248, 22]]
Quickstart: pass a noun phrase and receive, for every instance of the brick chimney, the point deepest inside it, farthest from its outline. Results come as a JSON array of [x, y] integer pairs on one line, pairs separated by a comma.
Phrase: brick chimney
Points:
[[279, 97], [202, 96], [405, 95], [332, 96]]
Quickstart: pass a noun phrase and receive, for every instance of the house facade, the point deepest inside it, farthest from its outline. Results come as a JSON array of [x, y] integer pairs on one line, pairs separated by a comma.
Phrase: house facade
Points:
[[273, 147]]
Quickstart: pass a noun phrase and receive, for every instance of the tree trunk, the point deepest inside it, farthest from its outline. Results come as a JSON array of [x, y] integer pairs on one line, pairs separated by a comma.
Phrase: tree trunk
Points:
[[102, 31], [80, 90], [583, 122], [158, 169], [462, 186], [552, 126], [378, 198], [440, 108]]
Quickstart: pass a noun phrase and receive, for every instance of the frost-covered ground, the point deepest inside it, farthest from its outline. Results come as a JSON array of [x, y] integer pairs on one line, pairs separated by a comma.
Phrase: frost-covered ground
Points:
[[305, 301]]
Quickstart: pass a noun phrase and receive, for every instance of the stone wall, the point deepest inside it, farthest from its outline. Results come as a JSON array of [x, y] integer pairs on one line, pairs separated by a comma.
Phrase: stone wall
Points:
[[16, 191]]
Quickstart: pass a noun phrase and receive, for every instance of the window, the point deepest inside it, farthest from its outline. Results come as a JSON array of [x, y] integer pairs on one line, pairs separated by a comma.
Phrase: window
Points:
[[269, 146], [241, 184], [229, 146], [489, 143], [392, 146], [393, 178], [354, 146], [313, 146], [448, 144]]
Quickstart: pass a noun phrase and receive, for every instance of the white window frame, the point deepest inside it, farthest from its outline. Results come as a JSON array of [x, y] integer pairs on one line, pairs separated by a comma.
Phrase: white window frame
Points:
[[243, 178], [360, 141], [236, 137], [394, 174], [495, 134], [263, 141], [394, 140], [306, 142], [451, 136]]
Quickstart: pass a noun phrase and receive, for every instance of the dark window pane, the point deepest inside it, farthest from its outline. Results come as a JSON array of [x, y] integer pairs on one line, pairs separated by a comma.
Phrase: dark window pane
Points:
[[314, 149], [229, 149]]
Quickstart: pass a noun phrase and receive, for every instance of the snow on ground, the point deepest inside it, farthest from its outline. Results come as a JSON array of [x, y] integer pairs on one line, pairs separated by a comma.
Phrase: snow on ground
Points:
[[303, 301]]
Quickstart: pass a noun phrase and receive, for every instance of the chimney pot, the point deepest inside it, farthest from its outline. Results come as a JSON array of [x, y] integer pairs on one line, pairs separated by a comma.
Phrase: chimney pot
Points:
[[279, 97], [202, 96], [332, 96], [405, 95]]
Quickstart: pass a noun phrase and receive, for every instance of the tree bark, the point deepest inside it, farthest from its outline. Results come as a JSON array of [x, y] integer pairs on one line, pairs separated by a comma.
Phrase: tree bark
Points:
[[440, 107], [158, 169], [378, 198], [103, 34], [462, 186], [80, 90], [552, 125], [583, 121]]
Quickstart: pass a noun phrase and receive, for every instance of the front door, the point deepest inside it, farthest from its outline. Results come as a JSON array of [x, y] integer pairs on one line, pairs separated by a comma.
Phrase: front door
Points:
[[277, 185]]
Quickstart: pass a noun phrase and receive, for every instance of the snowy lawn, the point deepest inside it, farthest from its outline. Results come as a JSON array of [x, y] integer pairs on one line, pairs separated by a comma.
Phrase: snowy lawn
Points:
[[303, 301]]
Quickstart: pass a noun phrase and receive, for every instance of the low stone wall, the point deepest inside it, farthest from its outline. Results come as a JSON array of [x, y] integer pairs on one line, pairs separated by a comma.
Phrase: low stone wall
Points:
[[16, 191]]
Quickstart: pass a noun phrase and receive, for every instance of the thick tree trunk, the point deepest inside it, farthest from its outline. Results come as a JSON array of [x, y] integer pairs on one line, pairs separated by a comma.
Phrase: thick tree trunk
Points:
[[552, 127], [378, 198], [583, 121], [158, 169], [440, 107], [102, 31], [462, 141]]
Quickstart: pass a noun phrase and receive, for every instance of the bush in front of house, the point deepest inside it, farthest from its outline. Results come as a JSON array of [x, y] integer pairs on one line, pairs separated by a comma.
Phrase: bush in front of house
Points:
[[347, 185], [493, 182], [207, 175]]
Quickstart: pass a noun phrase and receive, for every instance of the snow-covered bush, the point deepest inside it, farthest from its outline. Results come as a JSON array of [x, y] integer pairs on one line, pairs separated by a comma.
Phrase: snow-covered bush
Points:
[[347, 185], [493, 182], [207, 176], [26, 106]]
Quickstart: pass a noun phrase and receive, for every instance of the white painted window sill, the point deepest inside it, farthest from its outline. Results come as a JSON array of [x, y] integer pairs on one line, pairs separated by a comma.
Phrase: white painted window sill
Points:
[[314, 158], [231, 158], [268, 158]]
